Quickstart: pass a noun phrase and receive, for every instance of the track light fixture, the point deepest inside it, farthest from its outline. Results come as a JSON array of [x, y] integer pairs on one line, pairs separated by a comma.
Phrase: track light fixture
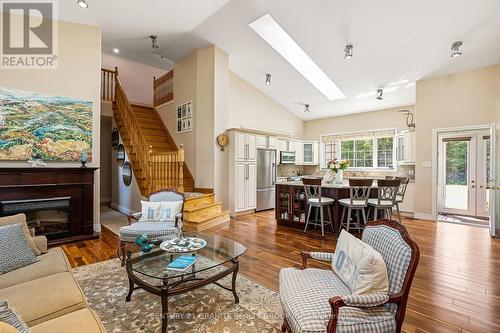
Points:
[[82, 3], [348, 51], [268, 79], [380, 93], [306, 108], [456, 49], [153, 41]]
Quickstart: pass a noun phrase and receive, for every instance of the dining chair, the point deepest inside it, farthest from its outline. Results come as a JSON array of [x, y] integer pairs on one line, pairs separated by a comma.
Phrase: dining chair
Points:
[[401, 193], [359, 193], [387, 190], [314, 198]]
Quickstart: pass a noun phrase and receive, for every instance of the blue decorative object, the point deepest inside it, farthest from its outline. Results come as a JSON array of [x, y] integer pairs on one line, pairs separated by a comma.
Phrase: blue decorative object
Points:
[[143, 242]]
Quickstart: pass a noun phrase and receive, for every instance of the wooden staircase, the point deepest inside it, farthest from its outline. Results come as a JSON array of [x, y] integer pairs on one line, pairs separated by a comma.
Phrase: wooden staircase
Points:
[[156, 160]]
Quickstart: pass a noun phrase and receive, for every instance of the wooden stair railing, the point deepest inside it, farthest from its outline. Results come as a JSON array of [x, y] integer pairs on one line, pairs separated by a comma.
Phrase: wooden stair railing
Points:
[[163, 89], [108, 84], [153, 170]]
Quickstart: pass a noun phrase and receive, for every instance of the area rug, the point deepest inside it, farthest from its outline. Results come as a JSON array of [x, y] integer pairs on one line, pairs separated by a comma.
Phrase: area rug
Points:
[[209, 309]]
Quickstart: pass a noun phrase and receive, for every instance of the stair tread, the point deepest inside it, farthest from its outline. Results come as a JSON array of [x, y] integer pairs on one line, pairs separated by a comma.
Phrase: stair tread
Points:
[[207, 217], [204, 195], [203, 206]]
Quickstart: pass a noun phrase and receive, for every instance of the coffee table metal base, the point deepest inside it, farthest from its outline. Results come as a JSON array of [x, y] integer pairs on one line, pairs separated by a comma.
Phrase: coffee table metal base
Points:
[[167, 289]]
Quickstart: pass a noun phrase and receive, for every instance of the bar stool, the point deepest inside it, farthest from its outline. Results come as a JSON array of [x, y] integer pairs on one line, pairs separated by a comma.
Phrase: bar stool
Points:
[[312, 189], [401, 193], [386, 197], [359, 193]]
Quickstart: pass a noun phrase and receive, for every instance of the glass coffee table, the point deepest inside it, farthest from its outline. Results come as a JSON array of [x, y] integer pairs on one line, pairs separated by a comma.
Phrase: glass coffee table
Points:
[[148, 271]]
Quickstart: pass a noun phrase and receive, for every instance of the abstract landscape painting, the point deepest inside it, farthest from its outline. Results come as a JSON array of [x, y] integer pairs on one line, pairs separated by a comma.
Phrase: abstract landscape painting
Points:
[[50, 128]]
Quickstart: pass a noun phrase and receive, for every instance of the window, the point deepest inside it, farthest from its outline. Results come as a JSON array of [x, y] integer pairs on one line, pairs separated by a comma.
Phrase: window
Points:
[[363, 150]]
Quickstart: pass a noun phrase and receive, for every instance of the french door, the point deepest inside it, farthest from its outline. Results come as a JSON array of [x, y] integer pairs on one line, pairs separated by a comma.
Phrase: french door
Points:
[[464, 173]]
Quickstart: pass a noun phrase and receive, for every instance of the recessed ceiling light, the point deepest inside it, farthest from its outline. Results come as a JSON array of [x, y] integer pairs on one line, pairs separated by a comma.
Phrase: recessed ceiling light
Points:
[[456, 49], [348, 52], [115, 50], [380, 94], [268, 79], [82, 3], [269, 30], [306, 108]]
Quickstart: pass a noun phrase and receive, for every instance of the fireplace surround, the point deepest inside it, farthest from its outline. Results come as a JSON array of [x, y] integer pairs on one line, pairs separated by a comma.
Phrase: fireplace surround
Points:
[[58, 202]]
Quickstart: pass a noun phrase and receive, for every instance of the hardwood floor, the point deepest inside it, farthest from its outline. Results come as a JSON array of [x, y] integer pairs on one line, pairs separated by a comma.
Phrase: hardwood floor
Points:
[[456, 286]]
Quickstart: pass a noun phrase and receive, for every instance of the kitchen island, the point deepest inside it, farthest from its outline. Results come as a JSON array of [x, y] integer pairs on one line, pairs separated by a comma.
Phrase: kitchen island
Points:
[[291, 206]]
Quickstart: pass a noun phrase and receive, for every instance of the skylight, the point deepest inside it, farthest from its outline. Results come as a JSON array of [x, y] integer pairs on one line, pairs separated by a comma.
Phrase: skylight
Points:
[[269, 30]]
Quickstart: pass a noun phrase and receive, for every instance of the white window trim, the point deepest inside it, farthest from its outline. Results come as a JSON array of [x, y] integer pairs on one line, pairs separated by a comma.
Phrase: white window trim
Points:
[[375, 150]]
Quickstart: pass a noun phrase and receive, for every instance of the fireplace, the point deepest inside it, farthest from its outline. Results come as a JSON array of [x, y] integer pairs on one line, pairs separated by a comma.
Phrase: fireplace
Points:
[[49, 217], [58, 202]]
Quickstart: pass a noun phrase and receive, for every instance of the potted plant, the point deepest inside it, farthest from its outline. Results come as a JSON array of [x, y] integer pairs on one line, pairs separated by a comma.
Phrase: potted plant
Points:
[[335, 170]]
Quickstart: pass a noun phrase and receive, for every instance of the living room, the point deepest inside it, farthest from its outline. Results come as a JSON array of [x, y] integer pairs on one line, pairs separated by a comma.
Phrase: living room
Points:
[[249, 166]]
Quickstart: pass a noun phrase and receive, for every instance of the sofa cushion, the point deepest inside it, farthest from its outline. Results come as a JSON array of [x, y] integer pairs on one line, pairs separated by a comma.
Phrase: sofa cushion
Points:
[[162, 230], [14, 249], [10, 316], [6, 328], [81, 321], [304, 296], [21, 218], [45, 298], [54, 261], [359, 266]]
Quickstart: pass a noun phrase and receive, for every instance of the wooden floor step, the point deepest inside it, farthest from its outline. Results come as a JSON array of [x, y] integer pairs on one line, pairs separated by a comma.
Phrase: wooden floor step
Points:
[[147, 121], [207, 221], [203, 199], [157, 138], [152, 126]]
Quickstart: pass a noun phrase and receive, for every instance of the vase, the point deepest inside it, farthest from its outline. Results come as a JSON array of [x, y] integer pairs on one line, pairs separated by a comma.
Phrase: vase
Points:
[[339, 177], [329, 176]]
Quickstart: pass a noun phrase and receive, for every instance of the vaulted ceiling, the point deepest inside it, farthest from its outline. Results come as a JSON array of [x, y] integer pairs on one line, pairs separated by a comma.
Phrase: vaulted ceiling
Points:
[[396, 42]]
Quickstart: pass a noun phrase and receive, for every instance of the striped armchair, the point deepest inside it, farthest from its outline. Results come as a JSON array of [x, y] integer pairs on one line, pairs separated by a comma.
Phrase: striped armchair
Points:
[[316, 300], [161, 230]]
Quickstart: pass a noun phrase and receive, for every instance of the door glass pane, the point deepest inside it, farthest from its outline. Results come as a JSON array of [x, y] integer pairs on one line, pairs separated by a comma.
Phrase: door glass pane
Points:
[[456, 189]]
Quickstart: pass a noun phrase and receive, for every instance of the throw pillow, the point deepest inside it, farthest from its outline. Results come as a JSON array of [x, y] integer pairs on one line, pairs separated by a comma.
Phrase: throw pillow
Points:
[[161, 211], [14, 249], [10, 316], [359, 266], [21, 218]]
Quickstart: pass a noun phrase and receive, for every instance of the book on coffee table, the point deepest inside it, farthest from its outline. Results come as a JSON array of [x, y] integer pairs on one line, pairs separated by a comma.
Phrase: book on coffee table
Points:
[[182, 263]]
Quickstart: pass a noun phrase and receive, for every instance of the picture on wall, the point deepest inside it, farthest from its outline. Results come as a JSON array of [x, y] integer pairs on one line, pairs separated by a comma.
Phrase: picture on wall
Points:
[[49, 128], [185, 117]]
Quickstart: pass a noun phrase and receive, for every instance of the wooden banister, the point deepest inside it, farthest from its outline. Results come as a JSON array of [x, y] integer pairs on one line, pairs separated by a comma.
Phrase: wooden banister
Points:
[[153, 170], [163, 89], [108, 78]]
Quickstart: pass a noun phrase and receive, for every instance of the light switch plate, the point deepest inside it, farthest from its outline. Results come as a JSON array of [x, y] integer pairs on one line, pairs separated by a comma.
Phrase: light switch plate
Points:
[[426, 164]]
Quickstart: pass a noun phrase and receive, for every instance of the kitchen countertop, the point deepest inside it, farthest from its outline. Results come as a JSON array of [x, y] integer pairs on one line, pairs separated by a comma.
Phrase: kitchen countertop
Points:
[[323, 184]]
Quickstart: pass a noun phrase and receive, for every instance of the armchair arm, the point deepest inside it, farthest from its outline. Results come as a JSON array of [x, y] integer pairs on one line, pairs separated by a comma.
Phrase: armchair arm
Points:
[[178, 218], [320, 256], [134, 217], [358, 301]]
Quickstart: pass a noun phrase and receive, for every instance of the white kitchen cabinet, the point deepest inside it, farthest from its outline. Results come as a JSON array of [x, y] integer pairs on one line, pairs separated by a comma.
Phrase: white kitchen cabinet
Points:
[[245, 146], [405, 147], [310, 153], [284, 145], [266, 142], [245, 187], [299, 152]]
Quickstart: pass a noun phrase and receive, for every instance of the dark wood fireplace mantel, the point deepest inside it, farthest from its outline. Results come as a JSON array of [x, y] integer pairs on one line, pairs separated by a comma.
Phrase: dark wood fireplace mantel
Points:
[[45, 183]]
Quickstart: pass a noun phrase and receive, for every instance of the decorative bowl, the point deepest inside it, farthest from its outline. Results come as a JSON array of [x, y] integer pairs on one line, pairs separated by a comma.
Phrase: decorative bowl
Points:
[[183, 245]]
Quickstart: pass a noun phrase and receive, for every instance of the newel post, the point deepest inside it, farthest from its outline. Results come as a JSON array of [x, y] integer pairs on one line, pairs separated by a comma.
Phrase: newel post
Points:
[[150, 178], [181, 168]]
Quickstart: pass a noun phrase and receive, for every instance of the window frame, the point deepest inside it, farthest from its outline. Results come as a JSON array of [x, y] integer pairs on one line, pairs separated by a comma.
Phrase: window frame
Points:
[[337, 144]]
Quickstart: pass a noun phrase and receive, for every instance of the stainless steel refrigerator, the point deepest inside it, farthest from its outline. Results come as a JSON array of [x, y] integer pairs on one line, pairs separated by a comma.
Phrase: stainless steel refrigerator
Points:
[[266, 179]]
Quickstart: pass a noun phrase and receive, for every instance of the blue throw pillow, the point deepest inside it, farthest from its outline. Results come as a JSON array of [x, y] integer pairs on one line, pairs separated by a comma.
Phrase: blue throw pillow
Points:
[[14, 249]]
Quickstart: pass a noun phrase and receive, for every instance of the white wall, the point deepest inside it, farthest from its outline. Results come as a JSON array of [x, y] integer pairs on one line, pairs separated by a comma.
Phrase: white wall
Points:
[[250, 108], [78, 76], [462, 99], [105, 158], [136, 78]]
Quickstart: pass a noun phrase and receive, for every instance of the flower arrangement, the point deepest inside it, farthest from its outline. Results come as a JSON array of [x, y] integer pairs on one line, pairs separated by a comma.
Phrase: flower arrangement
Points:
[[337, 165]]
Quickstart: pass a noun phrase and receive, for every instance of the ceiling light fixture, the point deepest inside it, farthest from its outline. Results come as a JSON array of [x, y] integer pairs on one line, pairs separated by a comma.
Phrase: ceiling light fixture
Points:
[[115, 50], [153, 41], [380, 94], [456, 49], [306, 108], [82, 3], [269, 30], [268, 79], [348, 51]]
